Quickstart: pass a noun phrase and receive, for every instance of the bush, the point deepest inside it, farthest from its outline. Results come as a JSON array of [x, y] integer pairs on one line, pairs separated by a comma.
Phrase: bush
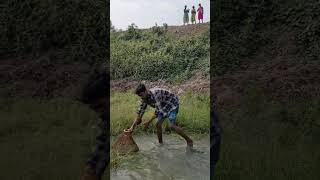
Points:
[[78, 30], [132, 33], [154, 56]]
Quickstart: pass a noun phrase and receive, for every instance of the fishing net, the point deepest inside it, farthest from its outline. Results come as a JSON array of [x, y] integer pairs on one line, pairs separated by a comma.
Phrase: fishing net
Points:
[[125, 144]]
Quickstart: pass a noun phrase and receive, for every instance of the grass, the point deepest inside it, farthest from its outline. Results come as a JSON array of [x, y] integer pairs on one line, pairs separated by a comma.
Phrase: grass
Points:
[[48, 139], [193, 116], [265, 140]]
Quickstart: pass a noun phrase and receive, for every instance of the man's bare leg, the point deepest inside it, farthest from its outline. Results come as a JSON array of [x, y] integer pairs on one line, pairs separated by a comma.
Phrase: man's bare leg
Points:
[[159, 132], [179, 131]]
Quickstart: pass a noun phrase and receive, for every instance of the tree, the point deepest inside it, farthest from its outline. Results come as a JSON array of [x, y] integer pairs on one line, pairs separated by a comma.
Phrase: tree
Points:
[[132, 32]]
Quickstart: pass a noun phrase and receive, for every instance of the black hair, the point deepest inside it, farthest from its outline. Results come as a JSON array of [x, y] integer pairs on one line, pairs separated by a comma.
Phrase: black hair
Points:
[[140, 88]]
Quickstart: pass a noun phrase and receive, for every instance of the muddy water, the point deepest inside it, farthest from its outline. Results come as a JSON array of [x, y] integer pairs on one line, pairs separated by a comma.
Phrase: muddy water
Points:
[[170, 161]]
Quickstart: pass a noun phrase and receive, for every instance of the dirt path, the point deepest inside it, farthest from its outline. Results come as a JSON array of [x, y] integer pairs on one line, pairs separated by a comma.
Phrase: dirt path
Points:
[[193, 30], [197, 84]]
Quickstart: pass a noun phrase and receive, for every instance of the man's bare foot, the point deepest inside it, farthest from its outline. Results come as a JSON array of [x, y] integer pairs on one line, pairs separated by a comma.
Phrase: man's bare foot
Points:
[[190, 143]]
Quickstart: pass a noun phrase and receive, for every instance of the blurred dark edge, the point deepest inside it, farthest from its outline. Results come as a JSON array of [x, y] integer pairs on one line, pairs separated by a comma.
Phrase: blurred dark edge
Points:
[[215, 129]]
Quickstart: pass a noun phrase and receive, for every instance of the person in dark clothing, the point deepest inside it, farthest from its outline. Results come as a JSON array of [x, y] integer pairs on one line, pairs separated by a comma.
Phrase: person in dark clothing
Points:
[[95, 94]]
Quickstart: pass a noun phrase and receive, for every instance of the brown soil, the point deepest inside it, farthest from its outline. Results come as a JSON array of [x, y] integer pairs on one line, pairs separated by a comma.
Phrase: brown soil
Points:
[[42, 77], [278, 70], [193, 30], [125, 144], [198, 84], [281, 81]]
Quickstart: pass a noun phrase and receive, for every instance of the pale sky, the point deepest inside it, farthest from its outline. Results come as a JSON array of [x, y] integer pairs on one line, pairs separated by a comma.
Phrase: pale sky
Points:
[[145, 13]]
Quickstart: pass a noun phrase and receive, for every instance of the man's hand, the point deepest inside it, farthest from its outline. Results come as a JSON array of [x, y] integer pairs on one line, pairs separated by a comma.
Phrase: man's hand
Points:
[[136, 122]]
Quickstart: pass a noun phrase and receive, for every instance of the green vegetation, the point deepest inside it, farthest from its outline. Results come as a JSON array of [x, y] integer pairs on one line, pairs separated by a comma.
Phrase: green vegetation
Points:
[[194, 113], [45, 139], [263, 139], [151, 55], [74, 30]]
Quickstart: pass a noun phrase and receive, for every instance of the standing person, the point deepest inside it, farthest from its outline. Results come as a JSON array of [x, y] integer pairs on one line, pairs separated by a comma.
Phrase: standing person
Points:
[[166, 105], [193, 15], [185, 15], [200, 13]]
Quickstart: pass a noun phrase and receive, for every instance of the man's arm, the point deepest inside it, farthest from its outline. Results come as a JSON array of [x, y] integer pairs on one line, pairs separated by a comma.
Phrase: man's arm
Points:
[[136, 122], [138, 119]]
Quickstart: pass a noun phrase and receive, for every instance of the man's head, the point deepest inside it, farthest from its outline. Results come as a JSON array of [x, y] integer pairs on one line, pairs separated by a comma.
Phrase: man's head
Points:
[[142, 91]]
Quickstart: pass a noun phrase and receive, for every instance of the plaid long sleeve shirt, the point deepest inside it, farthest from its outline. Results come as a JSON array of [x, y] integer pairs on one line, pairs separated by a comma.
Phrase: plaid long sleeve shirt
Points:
[[162, 100]]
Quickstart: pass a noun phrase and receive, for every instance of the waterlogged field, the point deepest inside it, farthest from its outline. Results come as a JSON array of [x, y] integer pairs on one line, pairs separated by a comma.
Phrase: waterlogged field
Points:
[[172, 160]]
